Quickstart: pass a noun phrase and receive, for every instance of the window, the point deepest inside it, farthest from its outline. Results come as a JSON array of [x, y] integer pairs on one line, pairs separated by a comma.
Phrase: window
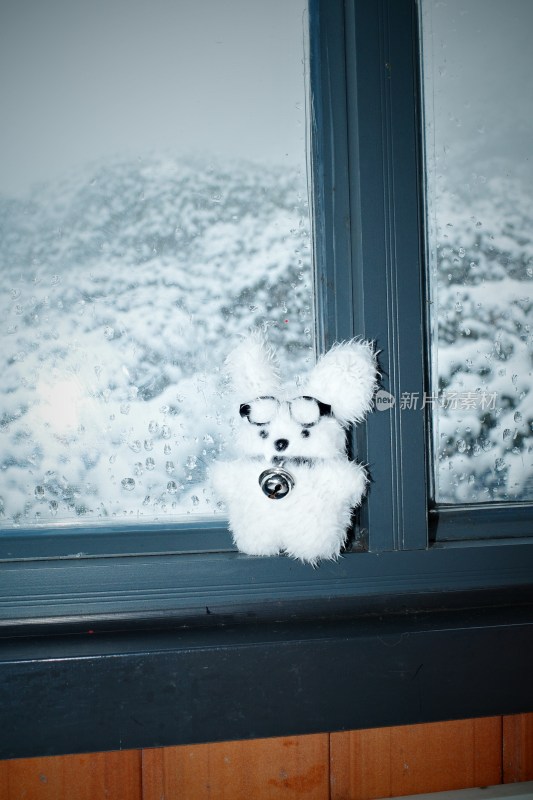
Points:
[[478, 129], [477, 142], [173, 637], [154, 206]]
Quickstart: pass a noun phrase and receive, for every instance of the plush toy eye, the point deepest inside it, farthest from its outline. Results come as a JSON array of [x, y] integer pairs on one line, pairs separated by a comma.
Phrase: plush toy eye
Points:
[[306, 433], [263, 434]]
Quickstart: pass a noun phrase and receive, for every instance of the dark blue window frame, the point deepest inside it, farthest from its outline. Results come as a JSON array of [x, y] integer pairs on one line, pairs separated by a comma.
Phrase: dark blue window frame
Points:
[[150, 638]]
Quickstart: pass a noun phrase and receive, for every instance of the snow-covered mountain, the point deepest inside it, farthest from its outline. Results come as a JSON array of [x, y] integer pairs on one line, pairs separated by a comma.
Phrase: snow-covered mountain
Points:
[[123, 289]]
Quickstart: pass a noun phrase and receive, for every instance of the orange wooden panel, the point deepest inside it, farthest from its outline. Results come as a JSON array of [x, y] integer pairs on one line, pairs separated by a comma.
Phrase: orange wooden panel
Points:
[[518, 748], [262, 769], [415, 758], [360, 764], [98, 776]]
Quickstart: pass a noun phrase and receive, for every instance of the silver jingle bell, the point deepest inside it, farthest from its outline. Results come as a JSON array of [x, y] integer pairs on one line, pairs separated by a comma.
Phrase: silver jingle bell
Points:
[[276, 483]]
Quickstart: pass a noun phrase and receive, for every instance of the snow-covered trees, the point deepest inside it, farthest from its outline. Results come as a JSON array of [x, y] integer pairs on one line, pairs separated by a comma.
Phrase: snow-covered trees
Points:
[[482, 339], [122, 290]]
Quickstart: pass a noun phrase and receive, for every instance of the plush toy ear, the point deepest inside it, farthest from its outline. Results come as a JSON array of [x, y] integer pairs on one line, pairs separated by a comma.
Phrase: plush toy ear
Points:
[[253, 368], [345, 378]]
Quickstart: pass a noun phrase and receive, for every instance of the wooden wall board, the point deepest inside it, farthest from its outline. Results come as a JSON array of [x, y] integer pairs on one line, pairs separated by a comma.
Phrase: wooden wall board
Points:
[[518, 748], [354, 765], [410, 759], [263, 769], [96, 776]]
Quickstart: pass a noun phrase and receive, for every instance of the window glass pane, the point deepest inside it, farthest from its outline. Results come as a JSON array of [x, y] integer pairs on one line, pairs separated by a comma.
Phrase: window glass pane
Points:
[[153, 207], [478, 100]]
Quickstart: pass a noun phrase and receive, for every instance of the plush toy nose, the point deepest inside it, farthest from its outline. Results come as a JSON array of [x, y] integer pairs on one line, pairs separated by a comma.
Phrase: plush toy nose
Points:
[[281, 444]]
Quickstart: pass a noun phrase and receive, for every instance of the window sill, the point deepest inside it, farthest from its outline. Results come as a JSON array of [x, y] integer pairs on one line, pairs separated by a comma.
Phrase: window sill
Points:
[[83, 592], [176, 685], [154, 650]]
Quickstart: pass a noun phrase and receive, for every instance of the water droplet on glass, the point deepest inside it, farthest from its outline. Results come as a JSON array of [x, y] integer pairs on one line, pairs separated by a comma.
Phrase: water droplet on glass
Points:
[[39, 492], [192, 462], [169, 466], [136, 446], [172, 487], [125, 408], [146, 500], [517, 417], [148, 444], [109, 332], [462, 252], [165, 432], [150, 464], [138, 468], [461, 446], [499, 464], [153, 427], [167, 449], [53, 506], [128, 484], [507, 433], [195, 500]]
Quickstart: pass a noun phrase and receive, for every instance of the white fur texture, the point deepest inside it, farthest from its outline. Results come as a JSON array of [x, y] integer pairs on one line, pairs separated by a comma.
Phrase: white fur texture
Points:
[[346, 378], [311, 523], [253, 368]]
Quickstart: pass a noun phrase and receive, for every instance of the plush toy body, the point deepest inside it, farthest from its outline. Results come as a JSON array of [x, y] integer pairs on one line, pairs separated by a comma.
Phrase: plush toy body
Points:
[[292, 488]]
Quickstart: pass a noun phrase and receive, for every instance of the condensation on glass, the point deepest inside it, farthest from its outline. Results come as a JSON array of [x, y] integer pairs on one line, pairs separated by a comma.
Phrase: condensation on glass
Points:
[[478, 101], [153, 208]]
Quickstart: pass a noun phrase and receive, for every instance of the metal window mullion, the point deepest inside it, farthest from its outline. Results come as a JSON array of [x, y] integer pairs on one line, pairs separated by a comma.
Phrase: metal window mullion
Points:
[[385, 201]]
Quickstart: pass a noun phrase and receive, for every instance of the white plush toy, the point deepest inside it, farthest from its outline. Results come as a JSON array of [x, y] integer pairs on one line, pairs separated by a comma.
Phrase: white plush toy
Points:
[[292, 488]]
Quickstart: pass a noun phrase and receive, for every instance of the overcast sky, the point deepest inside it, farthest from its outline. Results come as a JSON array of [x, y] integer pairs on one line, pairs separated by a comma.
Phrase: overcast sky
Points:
[[80, 80], [479, 66]]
